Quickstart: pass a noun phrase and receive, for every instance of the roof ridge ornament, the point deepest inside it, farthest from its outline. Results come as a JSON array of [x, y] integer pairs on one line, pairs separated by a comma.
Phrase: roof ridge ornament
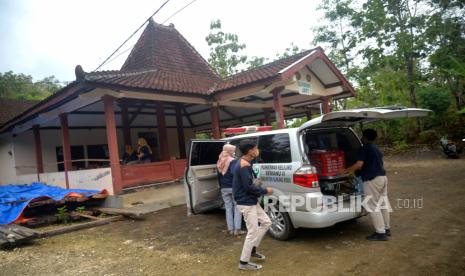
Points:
[[79, 72]]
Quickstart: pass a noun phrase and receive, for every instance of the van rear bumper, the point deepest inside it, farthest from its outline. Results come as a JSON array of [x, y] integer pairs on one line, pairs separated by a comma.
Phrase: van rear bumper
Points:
[[321, 219]]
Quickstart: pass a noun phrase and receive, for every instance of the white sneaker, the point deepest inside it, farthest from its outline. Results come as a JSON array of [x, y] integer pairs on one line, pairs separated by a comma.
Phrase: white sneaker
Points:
[[250, 266], [239, 232]]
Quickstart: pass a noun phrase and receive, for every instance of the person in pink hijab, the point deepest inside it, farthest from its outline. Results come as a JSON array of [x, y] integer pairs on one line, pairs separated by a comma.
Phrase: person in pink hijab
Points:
[[225, 164]]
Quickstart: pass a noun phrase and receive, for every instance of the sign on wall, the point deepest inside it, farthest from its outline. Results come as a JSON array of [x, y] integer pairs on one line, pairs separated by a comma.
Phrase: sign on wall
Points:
[[304, 87]]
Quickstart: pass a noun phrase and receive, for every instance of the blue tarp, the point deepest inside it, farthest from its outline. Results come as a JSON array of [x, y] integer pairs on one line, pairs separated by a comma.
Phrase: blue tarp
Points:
[[15, 198]]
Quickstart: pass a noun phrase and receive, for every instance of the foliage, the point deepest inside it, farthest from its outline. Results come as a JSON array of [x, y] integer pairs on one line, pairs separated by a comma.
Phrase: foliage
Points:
[[401, 52], [289, 51], [429, 136], [225, 50], [256, 61], [400, 145], [202, 135], [337, 35], [62, 215], [21, 86], [81, 209], [395, 52], [434, 98], [296, 122]]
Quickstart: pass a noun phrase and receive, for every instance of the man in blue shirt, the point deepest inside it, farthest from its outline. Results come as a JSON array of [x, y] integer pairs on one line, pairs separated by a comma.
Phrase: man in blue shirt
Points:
[[246, 194], [371, 166]]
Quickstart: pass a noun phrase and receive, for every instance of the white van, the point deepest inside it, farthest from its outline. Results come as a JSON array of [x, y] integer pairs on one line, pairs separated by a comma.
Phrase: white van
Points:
[[286, 164]]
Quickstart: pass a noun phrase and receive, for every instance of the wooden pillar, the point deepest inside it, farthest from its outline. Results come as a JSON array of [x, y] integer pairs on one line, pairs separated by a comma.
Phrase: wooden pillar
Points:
[[112, 141], [267, 120], [66, 145], [278, 107], [125, 124], [215, 117], [162, 132], [38, 150], [180, 128], [326, 105]]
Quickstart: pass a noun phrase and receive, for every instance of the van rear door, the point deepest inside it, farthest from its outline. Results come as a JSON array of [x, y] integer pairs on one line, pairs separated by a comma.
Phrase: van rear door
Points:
[[201, 176], [350, 117]]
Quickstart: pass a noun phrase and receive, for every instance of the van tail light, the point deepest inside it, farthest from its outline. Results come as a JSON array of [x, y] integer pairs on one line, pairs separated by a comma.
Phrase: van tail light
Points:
[[306, 176]]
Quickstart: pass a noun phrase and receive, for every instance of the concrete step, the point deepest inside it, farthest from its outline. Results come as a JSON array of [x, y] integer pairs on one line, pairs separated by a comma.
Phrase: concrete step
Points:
[[150, 199]]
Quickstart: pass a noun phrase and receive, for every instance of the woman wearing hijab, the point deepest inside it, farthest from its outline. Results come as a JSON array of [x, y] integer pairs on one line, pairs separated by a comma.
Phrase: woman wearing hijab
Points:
[[225, 164], [144, 153]]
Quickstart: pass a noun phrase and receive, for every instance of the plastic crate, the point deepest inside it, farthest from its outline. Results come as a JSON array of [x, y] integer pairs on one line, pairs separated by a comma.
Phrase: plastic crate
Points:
[[328, 163]]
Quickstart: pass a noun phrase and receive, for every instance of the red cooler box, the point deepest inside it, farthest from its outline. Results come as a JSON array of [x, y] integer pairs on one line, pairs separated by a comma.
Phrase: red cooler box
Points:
[[328, 163]]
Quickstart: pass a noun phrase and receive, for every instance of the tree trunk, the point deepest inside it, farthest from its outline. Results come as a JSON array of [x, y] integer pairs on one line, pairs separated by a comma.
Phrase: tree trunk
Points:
[[411, 78]]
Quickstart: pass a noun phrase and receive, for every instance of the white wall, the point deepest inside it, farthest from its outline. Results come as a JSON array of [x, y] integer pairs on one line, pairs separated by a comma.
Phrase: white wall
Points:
[[317, 87], [7, 160], [53, 178], [26, 179], [23, 151], [24, 147], [95, 179]]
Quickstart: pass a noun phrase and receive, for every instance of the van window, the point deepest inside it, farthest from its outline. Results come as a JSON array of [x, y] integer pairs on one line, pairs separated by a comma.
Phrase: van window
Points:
[[236, 143], [205, 153], [274, 148]]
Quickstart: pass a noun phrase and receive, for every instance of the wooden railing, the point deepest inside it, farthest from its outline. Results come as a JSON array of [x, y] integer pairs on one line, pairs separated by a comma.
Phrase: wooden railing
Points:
[[141, 174]]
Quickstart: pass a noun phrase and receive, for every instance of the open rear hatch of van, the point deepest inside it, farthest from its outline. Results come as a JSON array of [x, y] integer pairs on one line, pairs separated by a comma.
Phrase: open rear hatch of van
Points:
[[329, 150], [330, 144], [350, 117]]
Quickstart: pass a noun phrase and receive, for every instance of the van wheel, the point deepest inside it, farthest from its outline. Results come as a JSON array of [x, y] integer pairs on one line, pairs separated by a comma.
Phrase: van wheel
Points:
[[281, 227]]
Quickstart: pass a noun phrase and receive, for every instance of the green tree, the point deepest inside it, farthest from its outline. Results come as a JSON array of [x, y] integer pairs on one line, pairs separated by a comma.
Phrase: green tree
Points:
[[435, 98], [407, 52], [21, 86], [446, 37], [256, 61], [289, 51], [337, 33], [225, 51], [393, 33]]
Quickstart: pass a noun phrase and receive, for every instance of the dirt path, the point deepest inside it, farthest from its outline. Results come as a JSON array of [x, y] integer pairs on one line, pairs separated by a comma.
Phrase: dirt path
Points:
[[426, 241]]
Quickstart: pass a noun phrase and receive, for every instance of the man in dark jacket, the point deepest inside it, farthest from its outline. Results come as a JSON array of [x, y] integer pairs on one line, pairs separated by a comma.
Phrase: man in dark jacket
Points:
[[370, 164], [246, 194]]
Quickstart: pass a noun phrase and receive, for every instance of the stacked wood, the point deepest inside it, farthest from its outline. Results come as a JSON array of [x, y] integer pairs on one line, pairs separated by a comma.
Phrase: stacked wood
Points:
[[43, 211], [11, 235], [70, 228]]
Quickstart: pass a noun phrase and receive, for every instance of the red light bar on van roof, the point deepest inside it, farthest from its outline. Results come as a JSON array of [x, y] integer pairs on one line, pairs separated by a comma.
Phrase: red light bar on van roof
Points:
[[246, 129]]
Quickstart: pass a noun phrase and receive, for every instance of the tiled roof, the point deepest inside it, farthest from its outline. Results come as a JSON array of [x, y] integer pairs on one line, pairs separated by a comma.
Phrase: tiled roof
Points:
[[160, 79], [9, 108], [164, 48], [162, 59], [262, 72], [154, 79]]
